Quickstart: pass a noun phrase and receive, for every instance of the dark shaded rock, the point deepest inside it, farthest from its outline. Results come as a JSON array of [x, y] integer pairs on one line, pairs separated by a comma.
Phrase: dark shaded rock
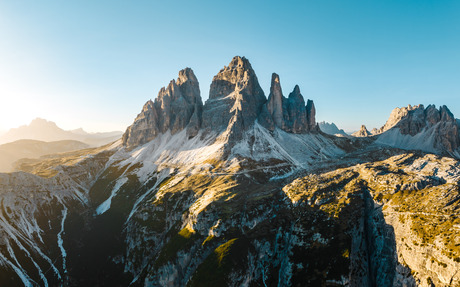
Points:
[[235, 100], [297, 113], [276, 104], [289, 114], [311, 116]]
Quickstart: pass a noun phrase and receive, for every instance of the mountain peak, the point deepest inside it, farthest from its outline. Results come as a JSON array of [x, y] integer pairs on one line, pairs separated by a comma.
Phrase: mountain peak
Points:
[[363, 132], [176, 107], [240, 62], [289, 114], [235, 102], [40, 122], [429, 129]]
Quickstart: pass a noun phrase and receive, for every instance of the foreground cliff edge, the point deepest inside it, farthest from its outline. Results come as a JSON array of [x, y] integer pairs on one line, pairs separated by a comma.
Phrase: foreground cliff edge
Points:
[[242, 190]]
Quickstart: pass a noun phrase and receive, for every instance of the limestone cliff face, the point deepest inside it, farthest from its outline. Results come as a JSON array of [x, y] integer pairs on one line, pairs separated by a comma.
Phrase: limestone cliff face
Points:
[[363, 132], [289, 114], [235, 100], [439, 125], [177, 106]]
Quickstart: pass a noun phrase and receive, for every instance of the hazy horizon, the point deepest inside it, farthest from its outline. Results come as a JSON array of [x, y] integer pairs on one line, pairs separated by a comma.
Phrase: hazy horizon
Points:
[[94, 65]]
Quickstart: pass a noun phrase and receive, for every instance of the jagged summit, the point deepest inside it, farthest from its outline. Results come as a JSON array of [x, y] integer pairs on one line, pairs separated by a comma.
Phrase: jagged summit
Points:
[[236, 101], [289, 114], [363, 132], [429, 129], [177, 106], [332, 129]]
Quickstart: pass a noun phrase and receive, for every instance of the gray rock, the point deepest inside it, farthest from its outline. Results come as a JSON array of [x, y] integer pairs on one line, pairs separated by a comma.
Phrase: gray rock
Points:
[[178, 106], [396, 116], [144, 128], [311, 116], [363, 132], [235, 100], [297, 114], [412, 120], [276, 104], [289, 114], [331, 129]]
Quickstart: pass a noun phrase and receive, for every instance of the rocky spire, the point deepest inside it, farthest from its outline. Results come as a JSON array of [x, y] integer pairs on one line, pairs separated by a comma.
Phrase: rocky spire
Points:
[[275, 102], [363, 132], [289, 114], [311, 116], [176, 107], [297, 113], [235, 100]]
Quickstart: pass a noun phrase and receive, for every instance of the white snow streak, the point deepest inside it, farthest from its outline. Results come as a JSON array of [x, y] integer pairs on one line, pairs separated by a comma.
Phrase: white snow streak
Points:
[[103, 207], [19, 271], [60, 241], [160, 177]]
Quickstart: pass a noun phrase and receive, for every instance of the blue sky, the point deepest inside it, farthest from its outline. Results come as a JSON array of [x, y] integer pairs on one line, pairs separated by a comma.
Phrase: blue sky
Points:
[[93, 64]]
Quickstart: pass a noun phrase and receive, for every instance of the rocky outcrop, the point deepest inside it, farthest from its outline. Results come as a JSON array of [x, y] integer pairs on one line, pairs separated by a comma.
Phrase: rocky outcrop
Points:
[[178, 106], [276, 104], [396, 116], [235, 100], [363, 132], [311, 116], [289, 114], [438, 127], [331, 128]]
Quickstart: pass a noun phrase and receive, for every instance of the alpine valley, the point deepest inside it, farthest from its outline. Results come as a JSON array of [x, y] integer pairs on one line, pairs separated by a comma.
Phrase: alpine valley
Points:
[[242, 190]]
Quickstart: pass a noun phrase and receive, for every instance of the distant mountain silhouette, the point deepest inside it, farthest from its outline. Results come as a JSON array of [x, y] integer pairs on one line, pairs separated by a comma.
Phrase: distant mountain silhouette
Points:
[[43, 130]]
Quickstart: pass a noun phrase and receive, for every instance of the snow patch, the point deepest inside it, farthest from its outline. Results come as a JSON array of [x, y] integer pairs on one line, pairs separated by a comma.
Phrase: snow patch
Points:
[[103, 207], [160, 177], [60, 242]]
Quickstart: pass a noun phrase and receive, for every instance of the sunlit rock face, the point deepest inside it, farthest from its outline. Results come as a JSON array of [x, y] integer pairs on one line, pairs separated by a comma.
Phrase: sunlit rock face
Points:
[[429, 129], [178, 106], [363, 132]]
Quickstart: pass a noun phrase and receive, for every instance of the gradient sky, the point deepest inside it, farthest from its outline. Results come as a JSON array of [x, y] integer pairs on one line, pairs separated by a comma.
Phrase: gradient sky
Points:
[[93, 64]]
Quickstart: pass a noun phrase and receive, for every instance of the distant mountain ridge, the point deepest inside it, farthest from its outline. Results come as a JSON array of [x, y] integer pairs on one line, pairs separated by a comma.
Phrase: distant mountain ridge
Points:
[[331, 128], [43, 130], [416, 127]]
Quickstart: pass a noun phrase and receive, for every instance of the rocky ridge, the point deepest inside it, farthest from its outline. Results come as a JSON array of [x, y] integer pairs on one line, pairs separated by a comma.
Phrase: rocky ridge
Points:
[[236, 101], [332, 129], [289, 114], [438, 128], [178, 106]]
